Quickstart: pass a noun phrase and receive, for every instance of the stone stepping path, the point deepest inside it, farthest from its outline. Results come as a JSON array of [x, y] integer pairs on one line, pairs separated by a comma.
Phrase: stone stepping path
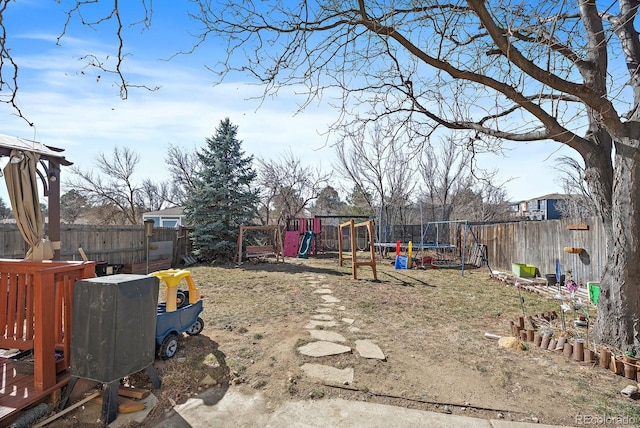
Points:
[[329, 336], [317, 323], [368, 349], [323, 348], [325, 344], [329, 374], [322, 317]]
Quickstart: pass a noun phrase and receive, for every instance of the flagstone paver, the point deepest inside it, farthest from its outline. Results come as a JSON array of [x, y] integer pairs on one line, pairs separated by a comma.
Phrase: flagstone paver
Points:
[[353, 329], [323, 291], [322, 317], [329, 336], [323, 310], [329, 374], [348, 320], [330, 299], [316, 323], [368, 349], [323, 348]]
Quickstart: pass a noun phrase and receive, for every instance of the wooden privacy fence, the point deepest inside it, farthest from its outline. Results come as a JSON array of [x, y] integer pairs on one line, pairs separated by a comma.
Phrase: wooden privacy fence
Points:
[[113, 244], [539, 243]]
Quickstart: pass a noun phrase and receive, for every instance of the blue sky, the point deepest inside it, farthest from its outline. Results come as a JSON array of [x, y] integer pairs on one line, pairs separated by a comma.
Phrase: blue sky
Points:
[[84, 114]]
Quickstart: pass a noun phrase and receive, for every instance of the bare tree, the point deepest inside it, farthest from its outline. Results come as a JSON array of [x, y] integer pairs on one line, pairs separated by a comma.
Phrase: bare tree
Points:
[[445, 171], [578, 202], [287, 187], [94, 14], [154, 196], [112, 188], [184, 166], [373, 159], [482, 201]]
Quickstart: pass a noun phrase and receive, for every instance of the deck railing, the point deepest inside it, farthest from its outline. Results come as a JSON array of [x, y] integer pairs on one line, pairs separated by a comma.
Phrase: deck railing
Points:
[[35, 312]]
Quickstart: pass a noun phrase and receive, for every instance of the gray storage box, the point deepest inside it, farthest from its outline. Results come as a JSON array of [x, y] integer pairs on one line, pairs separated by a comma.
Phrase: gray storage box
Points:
[[114, 326]]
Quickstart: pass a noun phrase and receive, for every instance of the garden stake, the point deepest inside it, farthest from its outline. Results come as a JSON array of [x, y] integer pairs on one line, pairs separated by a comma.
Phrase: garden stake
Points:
[[562, 319], [517, 284]]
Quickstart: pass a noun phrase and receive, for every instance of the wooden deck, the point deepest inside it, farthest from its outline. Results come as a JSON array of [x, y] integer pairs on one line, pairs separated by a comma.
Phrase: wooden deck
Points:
[[17, 391], [36, 301]]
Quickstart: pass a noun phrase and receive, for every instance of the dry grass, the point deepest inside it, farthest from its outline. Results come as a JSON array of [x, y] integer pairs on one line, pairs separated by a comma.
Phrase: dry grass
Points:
[[429, 323]]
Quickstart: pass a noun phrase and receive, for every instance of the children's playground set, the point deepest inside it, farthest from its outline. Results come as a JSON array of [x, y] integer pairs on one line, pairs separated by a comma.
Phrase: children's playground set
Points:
[[302, 238], [443, 244]]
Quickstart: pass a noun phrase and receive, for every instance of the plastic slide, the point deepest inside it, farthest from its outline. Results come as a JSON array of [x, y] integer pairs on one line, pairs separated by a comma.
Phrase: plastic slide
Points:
[[305, 246]]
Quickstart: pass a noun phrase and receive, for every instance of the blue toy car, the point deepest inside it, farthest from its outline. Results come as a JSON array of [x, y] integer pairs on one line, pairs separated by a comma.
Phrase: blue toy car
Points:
[[183, 316]]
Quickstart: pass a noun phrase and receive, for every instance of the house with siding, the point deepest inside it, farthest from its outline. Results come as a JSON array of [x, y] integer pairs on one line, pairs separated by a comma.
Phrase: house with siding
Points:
[[540, 208], [170, 217]]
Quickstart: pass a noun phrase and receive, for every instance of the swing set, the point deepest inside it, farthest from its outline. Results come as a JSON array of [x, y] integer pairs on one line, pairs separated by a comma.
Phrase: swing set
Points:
[[446, 243], [274, 248], [443, 245]]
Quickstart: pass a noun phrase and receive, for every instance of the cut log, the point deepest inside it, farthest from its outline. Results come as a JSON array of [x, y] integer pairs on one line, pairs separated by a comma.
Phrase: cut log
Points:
[[137, 393], [126, 405]]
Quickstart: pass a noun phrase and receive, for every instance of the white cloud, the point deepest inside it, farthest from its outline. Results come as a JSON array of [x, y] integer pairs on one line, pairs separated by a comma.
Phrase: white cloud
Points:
[[85, 116]]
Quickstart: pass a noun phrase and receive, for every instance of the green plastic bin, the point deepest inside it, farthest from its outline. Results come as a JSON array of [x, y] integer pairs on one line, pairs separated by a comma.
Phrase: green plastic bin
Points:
[[594, 291], [522, 270]]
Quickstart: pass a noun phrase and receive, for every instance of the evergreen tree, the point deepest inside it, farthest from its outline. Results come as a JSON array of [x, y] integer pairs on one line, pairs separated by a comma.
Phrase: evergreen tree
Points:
[[360, 202], [328, 202], [5, 211], [73, 205], [222, 200]]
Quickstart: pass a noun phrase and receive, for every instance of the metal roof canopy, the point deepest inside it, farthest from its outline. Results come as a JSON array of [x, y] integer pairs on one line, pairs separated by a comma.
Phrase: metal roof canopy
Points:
[[8, 143], [50, 179]]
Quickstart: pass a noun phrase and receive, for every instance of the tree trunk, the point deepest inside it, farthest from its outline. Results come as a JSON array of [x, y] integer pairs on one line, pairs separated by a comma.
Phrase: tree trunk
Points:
[[618, 318]]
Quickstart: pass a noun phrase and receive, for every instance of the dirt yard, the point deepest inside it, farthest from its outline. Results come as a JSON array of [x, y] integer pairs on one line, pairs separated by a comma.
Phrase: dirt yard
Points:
[[430, 324]]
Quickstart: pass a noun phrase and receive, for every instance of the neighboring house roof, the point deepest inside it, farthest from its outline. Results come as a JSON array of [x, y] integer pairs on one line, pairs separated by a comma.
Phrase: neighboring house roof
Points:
[[550, 196], [167, 211]]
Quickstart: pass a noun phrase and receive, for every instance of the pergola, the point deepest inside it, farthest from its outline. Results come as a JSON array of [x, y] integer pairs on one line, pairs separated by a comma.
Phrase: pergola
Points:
[[48, 171]]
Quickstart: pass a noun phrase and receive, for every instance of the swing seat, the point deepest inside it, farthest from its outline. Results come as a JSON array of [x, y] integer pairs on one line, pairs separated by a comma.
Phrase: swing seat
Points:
[[259, 251]]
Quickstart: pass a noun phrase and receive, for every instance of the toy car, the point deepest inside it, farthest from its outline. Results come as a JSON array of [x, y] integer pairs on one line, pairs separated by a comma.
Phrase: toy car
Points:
[[180, 313]]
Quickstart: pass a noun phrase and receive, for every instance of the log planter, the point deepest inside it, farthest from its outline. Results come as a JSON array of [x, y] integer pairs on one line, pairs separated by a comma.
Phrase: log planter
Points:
[[605, 358]]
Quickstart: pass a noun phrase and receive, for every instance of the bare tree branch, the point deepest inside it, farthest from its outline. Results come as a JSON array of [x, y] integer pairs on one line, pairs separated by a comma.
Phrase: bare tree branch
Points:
[[288, 187]]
